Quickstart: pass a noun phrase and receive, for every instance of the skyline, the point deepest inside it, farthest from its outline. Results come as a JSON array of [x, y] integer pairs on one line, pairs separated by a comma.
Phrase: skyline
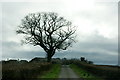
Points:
[[97, 32]]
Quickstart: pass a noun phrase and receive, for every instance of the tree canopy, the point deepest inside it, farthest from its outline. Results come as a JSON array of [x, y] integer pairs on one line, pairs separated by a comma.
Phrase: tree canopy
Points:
[[48, 30]]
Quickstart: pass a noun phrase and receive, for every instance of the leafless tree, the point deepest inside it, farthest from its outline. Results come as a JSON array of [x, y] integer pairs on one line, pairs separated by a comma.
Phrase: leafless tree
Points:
[[47, 30]]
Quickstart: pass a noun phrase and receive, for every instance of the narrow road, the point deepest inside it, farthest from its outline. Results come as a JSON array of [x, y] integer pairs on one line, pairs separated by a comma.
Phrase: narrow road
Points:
[[68, 74]]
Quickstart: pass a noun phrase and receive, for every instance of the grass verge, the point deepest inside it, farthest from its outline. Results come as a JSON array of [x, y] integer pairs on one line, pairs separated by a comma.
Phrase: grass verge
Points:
[[52, 73], [83, 73]]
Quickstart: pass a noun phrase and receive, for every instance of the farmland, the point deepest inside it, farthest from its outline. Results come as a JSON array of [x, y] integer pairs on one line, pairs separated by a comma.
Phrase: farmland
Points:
[[105, 72], [16, 70], [39, 69]]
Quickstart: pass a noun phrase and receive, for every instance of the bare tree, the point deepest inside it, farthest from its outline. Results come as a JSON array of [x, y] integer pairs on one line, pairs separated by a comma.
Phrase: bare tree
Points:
[[47, 30]]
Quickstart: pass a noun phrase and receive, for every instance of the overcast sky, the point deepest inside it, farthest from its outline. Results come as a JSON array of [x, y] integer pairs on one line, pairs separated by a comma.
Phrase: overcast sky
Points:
[[97, 32]]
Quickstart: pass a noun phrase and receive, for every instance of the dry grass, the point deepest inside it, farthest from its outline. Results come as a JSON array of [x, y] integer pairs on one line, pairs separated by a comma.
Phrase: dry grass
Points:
[[105, 71], [23, 71]]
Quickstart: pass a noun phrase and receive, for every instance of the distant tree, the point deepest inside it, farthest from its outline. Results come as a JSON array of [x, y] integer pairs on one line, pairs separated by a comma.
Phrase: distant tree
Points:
[[90, 62], [47, 30], [82, 59]]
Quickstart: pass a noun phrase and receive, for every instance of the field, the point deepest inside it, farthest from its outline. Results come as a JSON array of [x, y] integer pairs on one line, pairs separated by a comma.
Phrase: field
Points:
[[16, 70], [105, 72], [37, 70], [84, 74]]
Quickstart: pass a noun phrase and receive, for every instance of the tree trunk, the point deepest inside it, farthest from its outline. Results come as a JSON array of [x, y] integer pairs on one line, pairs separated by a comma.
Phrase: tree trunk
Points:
[[49, 55], [48, 58]]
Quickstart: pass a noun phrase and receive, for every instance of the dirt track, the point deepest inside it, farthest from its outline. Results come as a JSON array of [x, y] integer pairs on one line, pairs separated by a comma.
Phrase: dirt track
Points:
[[67, 73]]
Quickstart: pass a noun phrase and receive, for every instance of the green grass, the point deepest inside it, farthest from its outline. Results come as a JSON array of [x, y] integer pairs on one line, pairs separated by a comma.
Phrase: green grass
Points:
[[83, 73], [53, 72]]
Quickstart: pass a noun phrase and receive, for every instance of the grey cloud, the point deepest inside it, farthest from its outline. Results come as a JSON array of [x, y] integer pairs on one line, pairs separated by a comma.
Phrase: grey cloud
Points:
[[90, 47], [10, 44], [23, 54], [97, 42], [9, 51], [103, 13]]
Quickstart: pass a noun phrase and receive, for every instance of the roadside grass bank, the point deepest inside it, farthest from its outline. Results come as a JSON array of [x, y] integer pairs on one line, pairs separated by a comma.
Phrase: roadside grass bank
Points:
[[52, 73], [83, 73], [106, 72]]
